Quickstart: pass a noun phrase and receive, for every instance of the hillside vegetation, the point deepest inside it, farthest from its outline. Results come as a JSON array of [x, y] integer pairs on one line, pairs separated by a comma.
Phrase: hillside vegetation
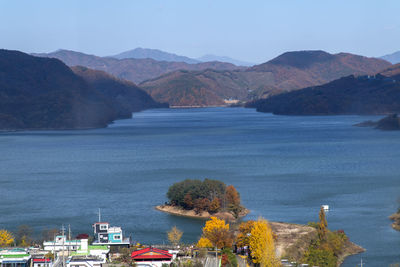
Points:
[[43, 93], [376, 94], [289, 71]]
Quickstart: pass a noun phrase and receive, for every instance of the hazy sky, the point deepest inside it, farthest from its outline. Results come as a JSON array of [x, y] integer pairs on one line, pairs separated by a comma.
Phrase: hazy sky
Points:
[[250, 30]]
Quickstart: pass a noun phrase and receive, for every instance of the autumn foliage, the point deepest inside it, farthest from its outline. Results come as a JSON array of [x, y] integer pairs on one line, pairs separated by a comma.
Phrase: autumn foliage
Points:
[[216, 232], [208, 195], [174, 235], [261, 241], [6, 238], [325, 250], [243, 237]]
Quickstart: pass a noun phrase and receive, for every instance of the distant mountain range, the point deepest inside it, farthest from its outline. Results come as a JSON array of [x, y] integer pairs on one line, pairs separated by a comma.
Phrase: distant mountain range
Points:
[[287, 72], [393, 58], [236, 62], [159, 55], [43, 93], [155, 54], [376, 94], [132, 69]]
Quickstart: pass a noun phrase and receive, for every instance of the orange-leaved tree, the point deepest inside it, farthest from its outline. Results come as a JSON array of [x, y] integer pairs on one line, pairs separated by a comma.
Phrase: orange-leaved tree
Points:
[[214, 205], [233, 200], [262, 245], [243, 237], [188, 201], [6, 238]]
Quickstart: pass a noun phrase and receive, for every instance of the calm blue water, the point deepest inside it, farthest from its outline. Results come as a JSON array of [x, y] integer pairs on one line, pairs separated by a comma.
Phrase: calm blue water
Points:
[[284, 168]]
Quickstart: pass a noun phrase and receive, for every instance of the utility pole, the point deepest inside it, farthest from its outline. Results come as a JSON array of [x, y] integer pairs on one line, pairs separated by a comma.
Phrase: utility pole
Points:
[[63, 243], [216, 257], [69, 236], [99, 215]]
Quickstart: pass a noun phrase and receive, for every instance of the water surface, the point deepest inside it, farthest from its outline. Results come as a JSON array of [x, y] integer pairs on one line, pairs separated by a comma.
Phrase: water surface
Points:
[[284, 167]]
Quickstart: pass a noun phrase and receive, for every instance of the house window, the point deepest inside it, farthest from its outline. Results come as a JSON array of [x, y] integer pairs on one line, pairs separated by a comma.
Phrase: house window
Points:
[[117, 237], [103, 227]]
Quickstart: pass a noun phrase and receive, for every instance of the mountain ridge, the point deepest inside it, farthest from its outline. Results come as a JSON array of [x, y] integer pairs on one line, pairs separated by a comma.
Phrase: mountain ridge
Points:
[[44, 93], [393, 58], [210, 57], [135, 70], [287, 72]]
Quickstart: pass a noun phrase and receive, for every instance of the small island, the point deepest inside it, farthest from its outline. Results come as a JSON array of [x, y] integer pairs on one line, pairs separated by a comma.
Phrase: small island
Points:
[[203, 199], [388, 123]]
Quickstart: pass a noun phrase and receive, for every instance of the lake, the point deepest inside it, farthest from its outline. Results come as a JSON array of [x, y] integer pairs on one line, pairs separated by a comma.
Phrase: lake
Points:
[[284, 167]]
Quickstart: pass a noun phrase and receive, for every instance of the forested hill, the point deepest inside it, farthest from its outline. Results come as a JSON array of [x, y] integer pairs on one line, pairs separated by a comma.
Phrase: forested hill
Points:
[[376, 94], [44, 93], [287, 72], [124, 96]]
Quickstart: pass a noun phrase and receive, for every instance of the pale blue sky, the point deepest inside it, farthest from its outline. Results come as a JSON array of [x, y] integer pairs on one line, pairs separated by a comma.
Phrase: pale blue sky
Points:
[[254, 31]]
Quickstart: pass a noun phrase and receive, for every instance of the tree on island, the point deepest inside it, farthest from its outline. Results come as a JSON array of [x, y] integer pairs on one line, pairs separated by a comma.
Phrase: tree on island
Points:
[[208, 195]]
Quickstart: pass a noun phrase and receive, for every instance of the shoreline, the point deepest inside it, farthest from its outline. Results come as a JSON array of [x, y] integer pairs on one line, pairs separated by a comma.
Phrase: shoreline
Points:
[[292, 239], [395, 217], [203, 215]]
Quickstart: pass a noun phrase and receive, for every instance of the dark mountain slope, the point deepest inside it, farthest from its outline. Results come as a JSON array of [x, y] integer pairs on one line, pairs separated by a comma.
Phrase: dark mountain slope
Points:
[[125, 96], [43, 93], [132, 69], [40, 93], [349, 95]]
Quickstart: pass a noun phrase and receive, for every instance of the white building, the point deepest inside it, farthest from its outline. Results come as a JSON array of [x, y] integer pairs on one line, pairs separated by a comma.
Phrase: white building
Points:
[[61, 243]]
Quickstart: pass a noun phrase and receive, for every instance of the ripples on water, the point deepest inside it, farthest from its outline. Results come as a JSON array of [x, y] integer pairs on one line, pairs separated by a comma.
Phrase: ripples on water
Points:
[[284, 168]]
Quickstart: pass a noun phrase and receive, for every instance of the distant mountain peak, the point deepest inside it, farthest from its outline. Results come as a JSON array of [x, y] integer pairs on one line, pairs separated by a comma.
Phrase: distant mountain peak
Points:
[[302, 59], [156, 54], [211, 57], [393, 58]]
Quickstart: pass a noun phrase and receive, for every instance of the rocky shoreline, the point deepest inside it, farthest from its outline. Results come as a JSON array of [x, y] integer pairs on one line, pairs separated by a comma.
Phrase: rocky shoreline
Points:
[[227, 216], [396, 221], [293, 240]]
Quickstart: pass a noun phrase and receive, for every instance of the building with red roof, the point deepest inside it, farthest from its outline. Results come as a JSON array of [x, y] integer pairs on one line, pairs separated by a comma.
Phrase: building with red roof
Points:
[[151, 257]]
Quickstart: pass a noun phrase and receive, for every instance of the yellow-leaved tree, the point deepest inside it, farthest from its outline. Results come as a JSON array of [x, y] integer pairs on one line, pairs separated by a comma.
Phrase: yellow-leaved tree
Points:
[[6, 238], [174, 236], [216, 232], [262, 245], [204, 243]]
